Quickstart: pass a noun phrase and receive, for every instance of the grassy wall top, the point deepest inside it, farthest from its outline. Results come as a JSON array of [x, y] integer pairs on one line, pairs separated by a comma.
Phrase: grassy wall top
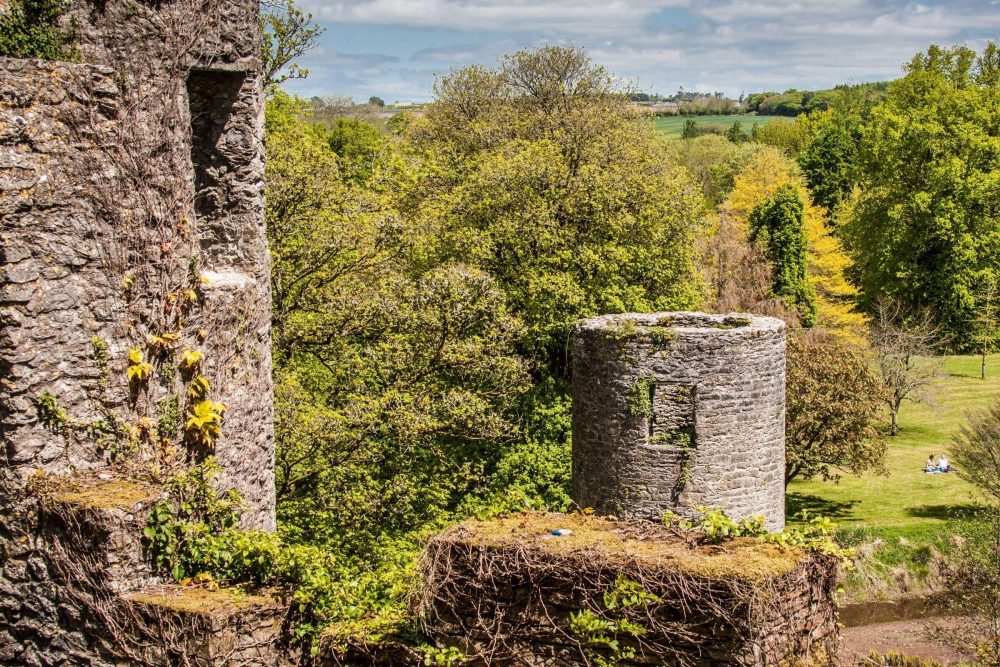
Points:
[[646, 545], [107, 495]]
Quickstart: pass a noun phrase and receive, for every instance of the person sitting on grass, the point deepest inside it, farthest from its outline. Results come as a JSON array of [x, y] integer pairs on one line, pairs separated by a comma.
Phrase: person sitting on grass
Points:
[[943, 464], [931, 465]]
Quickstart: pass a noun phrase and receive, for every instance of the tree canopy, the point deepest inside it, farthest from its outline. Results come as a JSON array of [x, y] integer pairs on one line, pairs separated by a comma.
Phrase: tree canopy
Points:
[[923, 224]]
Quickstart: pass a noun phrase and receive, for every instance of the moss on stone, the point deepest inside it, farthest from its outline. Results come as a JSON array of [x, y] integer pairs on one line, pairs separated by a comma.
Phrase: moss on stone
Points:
[[651, 547], [200, 600], [109, 495]]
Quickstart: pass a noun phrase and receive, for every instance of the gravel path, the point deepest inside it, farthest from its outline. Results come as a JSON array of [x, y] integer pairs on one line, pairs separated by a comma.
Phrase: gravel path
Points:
[[911, 638]]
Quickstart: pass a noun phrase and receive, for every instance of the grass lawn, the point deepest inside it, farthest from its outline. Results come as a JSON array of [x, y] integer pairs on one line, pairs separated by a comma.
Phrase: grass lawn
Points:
[[908, 515], [670, 127], [907, 496]]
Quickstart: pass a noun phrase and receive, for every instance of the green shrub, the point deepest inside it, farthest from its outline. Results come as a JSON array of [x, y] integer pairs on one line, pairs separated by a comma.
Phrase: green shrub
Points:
[[31, 30], [897, 660], [194, 534]]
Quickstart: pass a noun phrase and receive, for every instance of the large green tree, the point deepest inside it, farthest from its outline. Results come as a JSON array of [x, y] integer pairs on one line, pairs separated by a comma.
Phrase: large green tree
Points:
[[395, 382], [539, 173], [924, 223], [834, 402]]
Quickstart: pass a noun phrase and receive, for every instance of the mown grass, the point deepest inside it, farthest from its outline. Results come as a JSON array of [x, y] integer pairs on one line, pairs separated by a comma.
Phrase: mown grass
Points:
[[670, 127], [904, 521]]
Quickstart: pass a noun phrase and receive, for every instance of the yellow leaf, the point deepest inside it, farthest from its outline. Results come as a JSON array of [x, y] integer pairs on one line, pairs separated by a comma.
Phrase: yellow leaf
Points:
[[165, 341], [191, 358], [199, 387]]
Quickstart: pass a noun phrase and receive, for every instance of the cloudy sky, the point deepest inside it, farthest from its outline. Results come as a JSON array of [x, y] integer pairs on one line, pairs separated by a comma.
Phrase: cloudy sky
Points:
[[394, 48]]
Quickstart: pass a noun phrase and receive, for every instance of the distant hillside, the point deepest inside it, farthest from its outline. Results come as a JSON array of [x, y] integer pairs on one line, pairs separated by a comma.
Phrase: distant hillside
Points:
[[794, 102]]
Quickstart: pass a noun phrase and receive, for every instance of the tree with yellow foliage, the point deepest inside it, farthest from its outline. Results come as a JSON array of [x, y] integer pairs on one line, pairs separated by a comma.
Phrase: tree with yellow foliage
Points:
[[758, 182]]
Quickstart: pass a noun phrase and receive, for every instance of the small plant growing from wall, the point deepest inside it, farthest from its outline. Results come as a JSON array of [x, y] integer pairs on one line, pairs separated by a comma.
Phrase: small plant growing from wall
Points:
[[51, 414], [31, 29], [139, 370], [604, 633], [640, 399]]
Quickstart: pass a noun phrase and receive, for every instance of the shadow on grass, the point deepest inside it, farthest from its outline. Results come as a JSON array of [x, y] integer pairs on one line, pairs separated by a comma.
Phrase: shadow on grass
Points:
[[945, 512], [795, 503]]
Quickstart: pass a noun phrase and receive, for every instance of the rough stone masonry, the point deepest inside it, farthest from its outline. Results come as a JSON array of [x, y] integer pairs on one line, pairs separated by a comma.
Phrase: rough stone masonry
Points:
[[125, 181], [673, 411], [131, 219]]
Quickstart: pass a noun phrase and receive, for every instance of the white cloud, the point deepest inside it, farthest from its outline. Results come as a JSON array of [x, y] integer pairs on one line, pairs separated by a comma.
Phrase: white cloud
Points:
[[729, 45], [572, 16]]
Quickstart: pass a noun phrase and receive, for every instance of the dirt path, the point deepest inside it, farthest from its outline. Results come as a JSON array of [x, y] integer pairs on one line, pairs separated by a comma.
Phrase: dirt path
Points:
[[912, 638]]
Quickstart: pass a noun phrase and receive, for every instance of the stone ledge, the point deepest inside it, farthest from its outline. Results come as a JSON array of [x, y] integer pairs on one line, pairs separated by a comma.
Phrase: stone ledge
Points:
[[216, 627], [101, 521]]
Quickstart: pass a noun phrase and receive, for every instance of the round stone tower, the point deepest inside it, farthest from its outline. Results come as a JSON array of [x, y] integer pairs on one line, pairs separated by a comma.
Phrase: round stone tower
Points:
[[673, 411]]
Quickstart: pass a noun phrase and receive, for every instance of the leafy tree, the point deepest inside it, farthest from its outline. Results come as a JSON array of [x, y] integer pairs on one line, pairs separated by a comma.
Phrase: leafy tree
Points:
[[361, 147], [714, 162], [777, 225], [736, 134], [376, 101], [287, 33], [789, 137], [396, 382], [985, 323], [749, 175], [972, 588], [975, 451], [834, 402], [32, 29], [830, 156], [539, 173], [923, 224], [690, 130]]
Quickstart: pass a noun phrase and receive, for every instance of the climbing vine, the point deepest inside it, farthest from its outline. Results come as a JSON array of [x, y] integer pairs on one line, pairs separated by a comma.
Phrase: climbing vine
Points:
[[194, 535]]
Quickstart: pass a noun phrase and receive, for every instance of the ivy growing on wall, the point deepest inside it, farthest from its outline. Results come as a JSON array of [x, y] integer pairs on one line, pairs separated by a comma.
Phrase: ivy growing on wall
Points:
[[32, 29], [778, 226]]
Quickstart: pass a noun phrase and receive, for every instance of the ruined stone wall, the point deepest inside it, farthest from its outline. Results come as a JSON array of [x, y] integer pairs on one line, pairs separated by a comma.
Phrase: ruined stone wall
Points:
[[506, 591], [125, 184], [131, 208], [677, 410]]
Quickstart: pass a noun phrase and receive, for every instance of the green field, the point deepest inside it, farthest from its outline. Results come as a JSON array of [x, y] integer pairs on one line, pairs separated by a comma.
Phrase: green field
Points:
[[905, 520], [671, 127]]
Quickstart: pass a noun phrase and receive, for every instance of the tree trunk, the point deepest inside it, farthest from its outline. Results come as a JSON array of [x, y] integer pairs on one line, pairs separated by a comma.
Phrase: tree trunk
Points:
[[894, 430], [983, 369]]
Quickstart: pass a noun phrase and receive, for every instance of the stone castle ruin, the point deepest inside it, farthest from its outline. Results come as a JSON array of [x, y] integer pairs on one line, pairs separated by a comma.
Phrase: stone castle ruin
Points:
[[674, 411], [133, 209], [135, 289], [134, 295]]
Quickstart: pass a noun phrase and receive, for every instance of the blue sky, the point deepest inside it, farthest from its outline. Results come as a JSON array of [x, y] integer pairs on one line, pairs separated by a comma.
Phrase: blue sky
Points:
[[394, 48]]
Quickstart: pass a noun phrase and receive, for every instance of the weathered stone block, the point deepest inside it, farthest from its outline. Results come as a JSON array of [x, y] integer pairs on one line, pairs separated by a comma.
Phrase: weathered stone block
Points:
[[506, 591]]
